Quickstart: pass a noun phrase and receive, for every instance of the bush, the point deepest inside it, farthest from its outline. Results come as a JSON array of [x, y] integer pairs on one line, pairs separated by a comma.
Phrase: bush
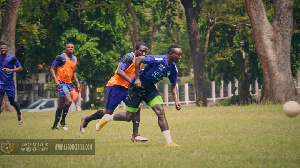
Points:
[[92, 105], [235, 100]]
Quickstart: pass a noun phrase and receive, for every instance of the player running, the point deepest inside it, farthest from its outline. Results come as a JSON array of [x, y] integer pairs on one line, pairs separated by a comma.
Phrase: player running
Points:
[[65, 65], [142, 88], [7, 84], [117, 91]]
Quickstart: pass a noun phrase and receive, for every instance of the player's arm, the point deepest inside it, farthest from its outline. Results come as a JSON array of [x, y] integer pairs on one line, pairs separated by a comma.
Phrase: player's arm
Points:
[[139, 60], [58, 61], [175, 95], [52, 72], [125, 62], [76, 80], [17, 69], [123, 75]]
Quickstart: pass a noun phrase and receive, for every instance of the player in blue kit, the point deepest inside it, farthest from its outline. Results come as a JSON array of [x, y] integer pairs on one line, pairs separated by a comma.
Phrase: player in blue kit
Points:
[[117, 91], [142, 88], [7, 84]]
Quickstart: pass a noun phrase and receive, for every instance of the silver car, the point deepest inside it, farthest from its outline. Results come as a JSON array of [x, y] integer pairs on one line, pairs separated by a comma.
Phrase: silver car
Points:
[[46, 105]]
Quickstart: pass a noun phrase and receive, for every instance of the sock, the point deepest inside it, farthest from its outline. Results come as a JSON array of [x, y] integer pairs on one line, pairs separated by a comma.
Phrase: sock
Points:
[[109, 118], [167, 136], [57, 117], [65, 112], [95, 116], [136, 123]]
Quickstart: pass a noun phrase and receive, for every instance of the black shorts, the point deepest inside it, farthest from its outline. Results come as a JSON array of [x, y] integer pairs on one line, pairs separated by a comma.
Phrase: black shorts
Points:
[[144, 93]]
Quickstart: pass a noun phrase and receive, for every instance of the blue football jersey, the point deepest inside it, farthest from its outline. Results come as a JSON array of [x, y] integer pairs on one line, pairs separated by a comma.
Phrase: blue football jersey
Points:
[[8, 62], [157, 68]]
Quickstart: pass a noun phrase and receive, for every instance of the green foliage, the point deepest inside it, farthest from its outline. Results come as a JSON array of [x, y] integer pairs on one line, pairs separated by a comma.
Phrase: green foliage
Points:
[[235, 100], [50, 86], [295, 54], [92, 105], [101, 36]]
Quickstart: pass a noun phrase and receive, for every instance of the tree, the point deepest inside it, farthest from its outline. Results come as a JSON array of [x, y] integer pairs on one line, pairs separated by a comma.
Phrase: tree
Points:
[[273, 44], [226, 19], [198, 56], [7, 34]]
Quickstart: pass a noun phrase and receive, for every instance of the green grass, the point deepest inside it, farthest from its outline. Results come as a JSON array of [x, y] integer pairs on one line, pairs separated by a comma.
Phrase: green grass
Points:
[[247, 136]]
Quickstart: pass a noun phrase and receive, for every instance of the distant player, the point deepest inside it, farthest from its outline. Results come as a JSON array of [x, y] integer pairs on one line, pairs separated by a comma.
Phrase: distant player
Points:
[[64, 65], [143, 88], [117, 90], [7, 84]]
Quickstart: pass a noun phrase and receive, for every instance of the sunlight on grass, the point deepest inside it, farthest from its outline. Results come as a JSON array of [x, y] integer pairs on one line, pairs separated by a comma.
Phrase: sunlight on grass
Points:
[[247, 136]]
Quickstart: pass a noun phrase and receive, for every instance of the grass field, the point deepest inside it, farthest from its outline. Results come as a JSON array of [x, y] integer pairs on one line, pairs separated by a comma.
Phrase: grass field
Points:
[[248, 136]]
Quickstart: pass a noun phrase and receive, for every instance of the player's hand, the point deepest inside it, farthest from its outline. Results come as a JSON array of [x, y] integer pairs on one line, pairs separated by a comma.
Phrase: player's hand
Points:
[[137, 83], [177, 106], [6, 70], [57, 85], [78, 87]]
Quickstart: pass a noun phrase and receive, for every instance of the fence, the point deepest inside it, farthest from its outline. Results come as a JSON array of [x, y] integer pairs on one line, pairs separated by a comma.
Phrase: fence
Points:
[[186, 93]]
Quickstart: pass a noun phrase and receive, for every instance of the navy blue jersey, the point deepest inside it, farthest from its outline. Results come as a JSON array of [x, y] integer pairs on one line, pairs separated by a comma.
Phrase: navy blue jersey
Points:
[[8, 62], [156, 69]]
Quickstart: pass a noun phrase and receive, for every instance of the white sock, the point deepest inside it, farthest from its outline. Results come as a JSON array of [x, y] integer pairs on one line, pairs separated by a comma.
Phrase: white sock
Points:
[[109, 118], [167, 136]]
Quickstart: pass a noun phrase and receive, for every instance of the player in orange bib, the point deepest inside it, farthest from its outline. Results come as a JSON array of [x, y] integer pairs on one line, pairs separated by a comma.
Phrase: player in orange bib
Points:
[[64, 65], [117, 90]]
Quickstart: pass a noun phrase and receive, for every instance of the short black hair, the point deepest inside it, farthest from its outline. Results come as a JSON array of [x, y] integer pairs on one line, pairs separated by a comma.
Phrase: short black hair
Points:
[[139, 44], [68, 43], [171, 48], [2, 43]]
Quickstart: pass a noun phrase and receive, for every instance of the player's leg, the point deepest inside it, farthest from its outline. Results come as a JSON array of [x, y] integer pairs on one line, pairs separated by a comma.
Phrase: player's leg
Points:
[[136, 123], [11, 97], [58, 112], [100, 113], [113, 99], [16, 106], [59, 109], [133, 102], [155, 101], [67, 103], [2, 93]]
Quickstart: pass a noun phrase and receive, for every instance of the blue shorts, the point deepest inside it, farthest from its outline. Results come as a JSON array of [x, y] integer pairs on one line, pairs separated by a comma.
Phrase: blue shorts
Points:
[[65, 89], [9, 90], [115, 94]]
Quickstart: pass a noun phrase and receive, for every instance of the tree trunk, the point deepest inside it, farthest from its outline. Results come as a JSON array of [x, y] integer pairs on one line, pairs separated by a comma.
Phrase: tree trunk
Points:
[[93, 93], [245, 77], [134, 21], [273, 44], [7, 35], [198, 57], [152, 38], [129, 30]]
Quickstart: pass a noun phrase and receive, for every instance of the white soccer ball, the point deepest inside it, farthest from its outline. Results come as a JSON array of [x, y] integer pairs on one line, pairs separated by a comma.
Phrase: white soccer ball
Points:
[[291, 108]]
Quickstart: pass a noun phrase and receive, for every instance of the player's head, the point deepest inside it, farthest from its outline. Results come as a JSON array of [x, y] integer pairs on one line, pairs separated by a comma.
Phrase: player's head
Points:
[[3, 48], [69, 47], [141, 48], [174, 52]]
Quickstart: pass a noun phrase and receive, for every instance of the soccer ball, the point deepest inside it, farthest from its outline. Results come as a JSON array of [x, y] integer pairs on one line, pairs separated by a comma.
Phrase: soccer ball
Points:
[[291, 108]]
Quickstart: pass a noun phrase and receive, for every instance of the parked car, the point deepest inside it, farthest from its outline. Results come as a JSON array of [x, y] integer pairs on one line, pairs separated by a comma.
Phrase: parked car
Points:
[[46, 105]]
